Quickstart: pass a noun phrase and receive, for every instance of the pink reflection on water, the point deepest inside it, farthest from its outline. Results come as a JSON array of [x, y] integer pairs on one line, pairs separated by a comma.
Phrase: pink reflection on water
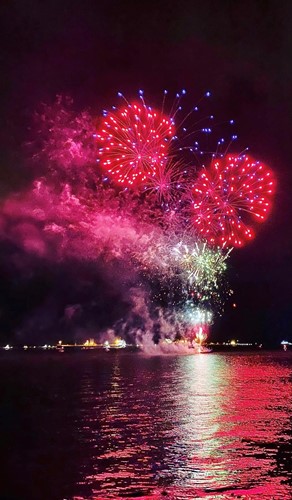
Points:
[[205, 426]]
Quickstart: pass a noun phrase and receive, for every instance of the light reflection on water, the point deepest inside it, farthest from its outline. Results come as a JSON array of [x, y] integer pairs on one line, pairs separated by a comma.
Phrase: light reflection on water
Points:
[[181, 427], [191, 427]]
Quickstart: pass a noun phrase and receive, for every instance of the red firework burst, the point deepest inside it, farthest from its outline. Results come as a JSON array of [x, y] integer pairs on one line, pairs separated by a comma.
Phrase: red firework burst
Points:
[[134, 141], [229, 196]]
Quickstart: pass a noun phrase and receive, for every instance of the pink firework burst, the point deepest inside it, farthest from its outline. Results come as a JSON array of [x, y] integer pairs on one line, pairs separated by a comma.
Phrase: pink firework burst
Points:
[[229, 196], [167, 182], [133, 143]]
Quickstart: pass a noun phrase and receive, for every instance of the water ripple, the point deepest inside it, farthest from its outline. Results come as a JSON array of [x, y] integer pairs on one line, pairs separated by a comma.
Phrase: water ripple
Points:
[[125, 426]]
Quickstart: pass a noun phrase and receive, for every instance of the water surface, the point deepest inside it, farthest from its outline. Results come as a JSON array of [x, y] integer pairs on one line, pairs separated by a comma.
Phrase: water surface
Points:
[[122, 425]]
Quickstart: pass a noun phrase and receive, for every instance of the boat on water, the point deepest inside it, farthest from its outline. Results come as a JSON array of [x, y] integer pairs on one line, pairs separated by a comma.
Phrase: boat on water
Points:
[[118, 343]]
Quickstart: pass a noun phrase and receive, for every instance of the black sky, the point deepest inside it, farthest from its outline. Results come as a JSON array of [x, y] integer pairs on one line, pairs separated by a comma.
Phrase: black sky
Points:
[[242, 51]]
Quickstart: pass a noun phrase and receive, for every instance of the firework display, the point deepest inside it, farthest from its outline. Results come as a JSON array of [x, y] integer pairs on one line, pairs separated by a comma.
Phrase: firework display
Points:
[[134, 143], [167, 181], [203, 269], [155, 213], [229, 196], [198, 320]]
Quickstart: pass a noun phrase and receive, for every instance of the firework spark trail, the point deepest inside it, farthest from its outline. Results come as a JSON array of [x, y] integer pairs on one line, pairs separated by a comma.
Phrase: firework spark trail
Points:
[[168, 182], [200, 263]]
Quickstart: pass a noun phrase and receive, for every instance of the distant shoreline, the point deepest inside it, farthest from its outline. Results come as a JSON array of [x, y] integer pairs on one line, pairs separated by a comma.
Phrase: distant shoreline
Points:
[[227, 348]]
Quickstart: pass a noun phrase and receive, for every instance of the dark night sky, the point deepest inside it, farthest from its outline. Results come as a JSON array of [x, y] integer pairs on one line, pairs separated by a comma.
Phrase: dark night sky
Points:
[[242, 51]]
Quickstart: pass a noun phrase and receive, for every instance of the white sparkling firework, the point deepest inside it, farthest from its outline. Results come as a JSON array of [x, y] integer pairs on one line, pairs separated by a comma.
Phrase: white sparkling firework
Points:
[[202, 266]]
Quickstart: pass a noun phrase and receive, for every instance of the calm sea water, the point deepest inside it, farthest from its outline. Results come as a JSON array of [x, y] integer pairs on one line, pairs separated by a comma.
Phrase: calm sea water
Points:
[[121, 425]]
